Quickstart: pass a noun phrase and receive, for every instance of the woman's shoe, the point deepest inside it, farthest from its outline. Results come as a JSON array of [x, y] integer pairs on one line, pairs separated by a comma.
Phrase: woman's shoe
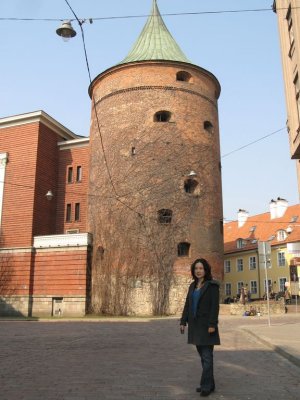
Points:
[[205, 393], [198, 389]]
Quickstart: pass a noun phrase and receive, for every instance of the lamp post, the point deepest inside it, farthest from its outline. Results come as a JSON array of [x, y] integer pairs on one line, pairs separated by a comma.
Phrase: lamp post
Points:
[[264, 251]]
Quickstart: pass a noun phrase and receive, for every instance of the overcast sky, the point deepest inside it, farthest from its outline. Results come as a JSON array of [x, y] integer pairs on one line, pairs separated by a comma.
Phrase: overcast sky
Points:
[[38, 71]]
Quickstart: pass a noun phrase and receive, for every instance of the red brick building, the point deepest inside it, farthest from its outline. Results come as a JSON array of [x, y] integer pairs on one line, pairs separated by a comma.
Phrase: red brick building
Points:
[[41, 262], [147, 190]]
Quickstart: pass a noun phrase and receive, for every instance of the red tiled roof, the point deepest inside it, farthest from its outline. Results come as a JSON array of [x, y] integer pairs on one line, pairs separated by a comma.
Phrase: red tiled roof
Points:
[[265, 229]]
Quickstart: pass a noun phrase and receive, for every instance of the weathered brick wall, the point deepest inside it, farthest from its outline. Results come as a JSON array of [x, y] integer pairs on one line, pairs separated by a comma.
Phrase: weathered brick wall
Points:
[[16, 272], [30, 280], [153, 177], [75, 192]]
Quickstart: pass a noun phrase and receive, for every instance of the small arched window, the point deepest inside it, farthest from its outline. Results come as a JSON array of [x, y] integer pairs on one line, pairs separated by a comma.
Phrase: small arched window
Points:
[[165, 216], [162, 116], [190, 185], [183, 249], [183, 76], [208, 126]]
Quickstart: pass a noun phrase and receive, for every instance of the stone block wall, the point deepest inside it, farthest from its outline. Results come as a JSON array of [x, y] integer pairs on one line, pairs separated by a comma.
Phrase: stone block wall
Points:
[[276, 307]]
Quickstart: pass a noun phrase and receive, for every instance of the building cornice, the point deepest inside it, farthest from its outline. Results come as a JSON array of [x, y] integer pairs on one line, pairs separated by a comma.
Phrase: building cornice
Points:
[[75, 143], [38, 117]]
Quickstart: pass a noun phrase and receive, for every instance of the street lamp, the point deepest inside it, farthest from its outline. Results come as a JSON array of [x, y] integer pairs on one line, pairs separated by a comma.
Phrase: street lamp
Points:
[[49, 195], [66, 31]]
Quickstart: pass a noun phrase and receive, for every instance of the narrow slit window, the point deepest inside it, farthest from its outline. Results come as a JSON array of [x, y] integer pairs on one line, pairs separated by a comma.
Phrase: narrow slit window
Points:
[[70, 174], [78, 174], [68, 212], [77, 211]]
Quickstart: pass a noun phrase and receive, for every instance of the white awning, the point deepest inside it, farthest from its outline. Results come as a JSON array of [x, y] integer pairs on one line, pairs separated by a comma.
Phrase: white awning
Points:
[[293, 248]]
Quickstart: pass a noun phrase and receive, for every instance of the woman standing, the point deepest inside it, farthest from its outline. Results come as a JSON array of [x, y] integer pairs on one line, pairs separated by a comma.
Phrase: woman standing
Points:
[[201, 312]]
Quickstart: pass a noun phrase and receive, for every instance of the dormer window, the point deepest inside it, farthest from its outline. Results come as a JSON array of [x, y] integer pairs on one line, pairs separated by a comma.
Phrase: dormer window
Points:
[[183, 76], [240, 243], [281, 235], [162, 116]]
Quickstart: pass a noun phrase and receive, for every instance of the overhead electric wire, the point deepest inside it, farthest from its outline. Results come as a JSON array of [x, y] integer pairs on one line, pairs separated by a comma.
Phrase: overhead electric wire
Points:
[[94, 102], [145, 15], [251, 143]]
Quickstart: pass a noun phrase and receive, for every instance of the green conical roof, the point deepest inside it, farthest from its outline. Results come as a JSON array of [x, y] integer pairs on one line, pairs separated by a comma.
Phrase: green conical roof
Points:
[[155, 42]]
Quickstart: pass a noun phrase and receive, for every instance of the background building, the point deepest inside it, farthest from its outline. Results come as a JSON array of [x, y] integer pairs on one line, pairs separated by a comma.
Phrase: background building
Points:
[[288, 13], [242, 263]]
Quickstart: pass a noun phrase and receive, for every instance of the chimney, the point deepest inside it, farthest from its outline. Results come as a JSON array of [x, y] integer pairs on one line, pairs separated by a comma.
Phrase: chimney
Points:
[[273, 209], [278, 207], [242, 217], [282, 206]]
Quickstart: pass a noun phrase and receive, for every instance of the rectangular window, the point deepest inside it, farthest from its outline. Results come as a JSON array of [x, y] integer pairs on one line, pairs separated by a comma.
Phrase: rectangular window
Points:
[[281, 259], [227, 266], [297, 95], [68, 212], [77, 211], [240, 265], [70, 174], [253, 287], [290, 27], [282, 284], [228, 289], [239, 287], [78, 174], [252, 262]]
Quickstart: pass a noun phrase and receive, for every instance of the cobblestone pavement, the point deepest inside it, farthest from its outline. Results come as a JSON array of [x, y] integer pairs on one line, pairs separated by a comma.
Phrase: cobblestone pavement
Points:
[[135, 360]]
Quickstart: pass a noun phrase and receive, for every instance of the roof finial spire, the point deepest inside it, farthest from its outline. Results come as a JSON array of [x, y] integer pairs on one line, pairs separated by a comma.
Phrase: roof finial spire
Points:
[[155, 42]]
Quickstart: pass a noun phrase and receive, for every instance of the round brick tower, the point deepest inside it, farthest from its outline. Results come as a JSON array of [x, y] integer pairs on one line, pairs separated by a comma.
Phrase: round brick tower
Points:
[[155, 201]]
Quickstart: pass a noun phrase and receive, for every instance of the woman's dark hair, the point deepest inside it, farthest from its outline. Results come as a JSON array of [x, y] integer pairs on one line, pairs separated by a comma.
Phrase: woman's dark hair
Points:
[[207, 269]]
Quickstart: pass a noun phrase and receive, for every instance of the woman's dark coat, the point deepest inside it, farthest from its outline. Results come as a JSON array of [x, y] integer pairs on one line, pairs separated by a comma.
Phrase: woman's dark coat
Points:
[[206, 315]]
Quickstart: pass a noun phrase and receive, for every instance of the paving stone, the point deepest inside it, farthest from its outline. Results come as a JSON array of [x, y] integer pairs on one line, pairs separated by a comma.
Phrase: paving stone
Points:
[[147, 360]]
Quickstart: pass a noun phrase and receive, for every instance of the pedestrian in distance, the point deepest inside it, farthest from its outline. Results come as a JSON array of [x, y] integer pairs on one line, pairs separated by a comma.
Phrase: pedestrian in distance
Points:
[[200, 313]]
